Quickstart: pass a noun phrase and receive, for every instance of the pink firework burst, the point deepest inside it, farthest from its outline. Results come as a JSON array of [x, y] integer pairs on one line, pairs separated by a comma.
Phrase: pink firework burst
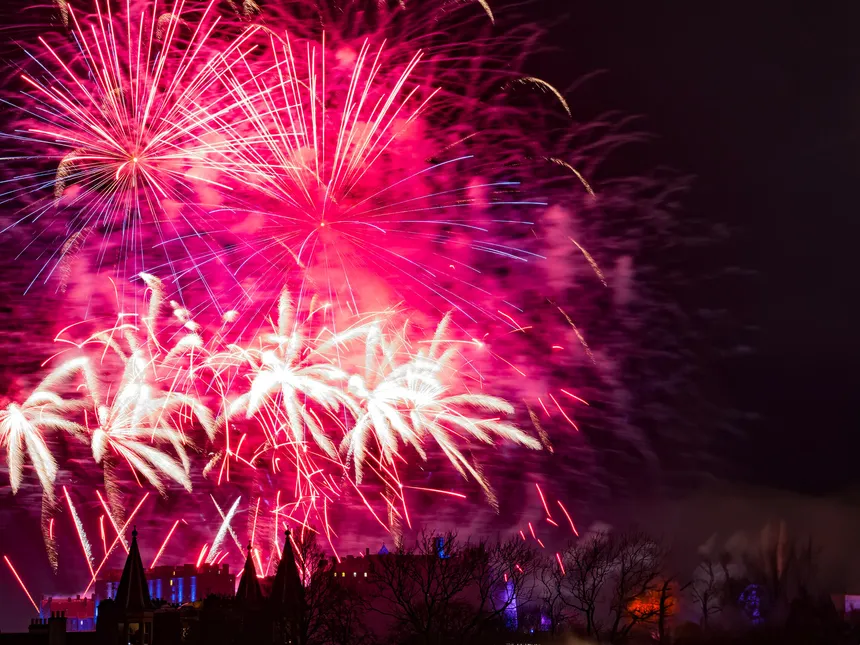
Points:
[[383, 271]]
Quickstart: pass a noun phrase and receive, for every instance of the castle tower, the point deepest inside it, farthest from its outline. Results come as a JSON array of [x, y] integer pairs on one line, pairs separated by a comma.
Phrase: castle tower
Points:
[[133, 606], [288, 597], [249, 591]]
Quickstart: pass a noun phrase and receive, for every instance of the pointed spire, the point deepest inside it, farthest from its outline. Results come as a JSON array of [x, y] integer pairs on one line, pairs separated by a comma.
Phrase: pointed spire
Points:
[[133, 592], [287, 590], [249, 587]]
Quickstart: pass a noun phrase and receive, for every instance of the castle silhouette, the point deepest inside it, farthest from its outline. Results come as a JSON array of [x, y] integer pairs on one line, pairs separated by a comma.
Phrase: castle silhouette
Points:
[[131, 617]]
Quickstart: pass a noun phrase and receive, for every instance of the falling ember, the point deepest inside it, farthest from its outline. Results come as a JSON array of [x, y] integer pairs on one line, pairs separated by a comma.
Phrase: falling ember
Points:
[[591, 261], [585, 184], [560, 563], [543, 85], [21, 582], [578, 335]]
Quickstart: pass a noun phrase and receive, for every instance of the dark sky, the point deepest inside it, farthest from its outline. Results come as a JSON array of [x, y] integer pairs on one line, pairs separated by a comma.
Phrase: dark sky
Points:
[[761, 103]]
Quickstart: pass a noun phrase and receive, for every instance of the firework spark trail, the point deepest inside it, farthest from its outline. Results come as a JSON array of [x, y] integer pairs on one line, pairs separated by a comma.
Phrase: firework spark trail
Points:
[[258, 562], [222, 531], [591, 261], [82, 535], [164, 544], [256, 514], [20, 582], [102, 534], [202, 554], [563, 413], [120, 533], [543, 501], [227, 523], [574, 397], [567, 515]]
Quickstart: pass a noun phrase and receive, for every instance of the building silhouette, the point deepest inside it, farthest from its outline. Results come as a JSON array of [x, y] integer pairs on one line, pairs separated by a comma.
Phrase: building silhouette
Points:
[[131, 617]]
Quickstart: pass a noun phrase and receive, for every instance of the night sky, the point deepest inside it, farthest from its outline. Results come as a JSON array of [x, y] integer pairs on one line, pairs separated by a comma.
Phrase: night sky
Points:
[[760, 104]]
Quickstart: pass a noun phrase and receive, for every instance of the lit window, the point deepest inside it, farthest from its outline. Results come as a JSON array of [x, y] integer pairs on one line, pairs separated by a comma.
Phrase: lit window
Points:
[[343, 575], [365, 574], [354, 574]]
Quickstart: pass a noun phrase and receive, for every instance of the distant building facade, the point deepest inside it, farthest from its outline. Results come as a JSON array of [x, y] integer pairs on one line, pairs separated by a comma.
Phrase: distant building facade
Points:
[[79, 612], [175, 584]]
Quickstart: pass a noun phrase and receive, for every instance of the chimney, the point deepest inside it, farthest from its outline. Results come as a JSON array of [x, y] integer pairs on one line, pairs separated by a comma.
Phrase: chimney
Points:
[[57, 628], [366, 551]]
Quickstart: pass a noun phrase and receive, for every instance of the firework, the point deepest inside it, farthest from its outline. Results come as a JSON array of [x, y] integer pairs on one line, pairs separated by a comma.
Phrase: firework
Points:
[[120, 105], [288, 373], [364, 390], [407, 400], [130, 421], [360, 176], [23, 427], [345, 191]]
